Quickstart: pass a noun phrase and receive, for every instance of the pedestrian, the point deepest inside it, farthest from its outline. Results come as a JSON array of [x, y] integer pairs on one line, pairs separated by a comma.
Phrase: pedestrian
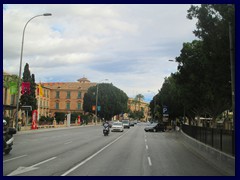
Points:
[[19, 125]]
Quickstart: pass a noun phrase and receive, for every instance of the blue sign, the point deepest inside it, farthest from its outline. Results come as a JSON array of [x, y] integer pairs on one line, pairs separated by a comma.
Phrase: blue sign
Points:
[[99, 108], [165, 110]]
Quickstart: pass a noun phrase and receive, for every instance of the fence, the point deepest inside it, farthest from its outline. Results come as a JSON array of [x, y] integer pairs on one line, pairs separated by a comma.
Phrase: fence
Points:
[[223, 140]]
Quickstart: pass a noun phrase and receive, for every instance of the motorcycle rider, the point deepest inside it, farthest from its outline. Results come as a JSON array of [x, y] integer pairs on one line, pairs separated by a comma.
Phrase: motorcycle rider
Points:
[[106, 126], [4, 132]]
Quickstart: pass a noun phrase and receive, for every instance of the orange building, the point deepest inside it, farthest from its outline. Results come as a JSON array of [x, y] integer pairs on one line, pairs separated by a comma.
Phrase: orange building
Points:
[[63, 97]]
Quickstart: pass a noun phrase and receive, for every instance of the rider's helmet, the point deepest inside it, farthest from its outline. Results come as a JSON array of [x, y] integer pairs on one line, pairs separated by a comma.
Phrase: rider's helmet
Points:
[[4, 122]]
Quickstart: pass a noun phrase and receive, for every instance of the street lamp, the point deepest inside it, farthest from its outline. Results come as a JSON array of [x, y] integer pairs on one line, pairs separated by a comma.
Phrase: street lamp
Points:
[[232, 64], [20, 67], [97, 99]]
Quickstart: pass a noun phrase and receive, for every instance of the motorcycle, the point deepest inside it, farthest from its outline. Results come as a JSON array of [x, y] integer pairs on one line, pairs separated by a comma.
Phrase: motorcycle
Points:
[[105, 130], [8, 138]]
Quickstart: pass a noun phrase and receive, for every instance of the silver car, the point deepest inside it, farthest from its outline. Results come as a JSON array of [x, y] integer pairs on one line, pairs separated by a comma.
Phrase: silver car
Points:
[[117, 126]]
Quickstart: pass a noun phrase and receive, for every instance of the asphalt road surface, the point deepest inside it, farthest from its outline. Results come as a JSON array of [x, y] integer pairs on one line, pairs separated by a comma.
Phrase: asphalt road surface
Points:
[[84, 151]]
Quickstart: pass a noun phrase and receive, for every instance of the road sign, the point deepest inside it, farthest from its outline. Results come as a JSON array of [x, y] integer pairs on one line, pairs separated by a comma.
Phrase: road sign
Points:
[[165, 111], [99, 108], [26, 108]]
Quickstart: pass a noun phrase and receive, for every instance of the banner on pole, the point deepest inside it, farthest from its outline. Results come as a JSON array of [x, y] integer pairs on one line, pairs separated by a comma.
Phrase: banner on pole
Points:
[[13, 88], [25, 87], [40, 90]]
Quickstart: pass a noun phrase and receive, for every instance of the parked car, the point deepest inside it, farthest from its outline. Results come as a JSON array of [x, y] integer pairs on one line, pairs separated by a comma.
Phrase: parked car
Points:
[[126, 123], [155, 127], [117, 126]]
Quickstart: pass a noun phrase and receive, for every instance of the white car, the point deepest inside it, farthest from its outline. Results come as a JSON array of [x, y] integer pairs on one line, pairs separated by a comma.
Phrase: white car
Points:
[[117, 126]]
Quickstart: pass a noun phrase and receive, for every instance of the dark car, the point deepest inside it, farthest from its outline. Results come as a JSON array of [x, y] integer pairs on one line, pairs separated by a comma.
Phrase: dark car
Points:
[[155, 127]]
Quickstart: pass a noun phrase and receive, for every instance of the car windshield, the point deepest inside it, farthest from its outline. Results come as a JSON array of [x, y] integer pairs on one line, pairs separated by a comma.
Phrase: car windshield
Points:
[[125, 121], [117, 124], [153, 124]]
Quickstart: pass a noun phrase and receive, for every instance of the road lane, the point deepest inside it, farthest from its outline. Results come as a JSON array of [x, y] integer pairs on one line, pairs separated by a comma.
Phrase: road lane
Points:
[[86, 152], [171, 158], [40, 146], [126, 157]]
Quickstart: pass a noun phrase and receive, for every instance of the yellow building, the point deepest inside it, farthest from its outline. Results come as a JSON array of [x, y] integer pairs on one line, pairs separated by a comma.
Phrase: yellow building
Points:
[[63, 97], [139, 106]]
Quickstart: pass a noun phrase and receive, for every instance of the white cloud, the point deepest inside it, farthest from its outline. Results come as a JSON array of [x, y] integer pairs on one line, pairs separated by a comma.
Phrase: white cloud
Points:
[[128, 44]]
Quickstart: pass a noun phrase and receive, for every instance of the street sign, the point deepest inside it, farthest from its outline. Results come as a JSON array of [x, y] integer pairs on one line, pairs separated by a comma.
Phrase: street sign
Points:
[[165, 111], [26, 108], [99, 108]]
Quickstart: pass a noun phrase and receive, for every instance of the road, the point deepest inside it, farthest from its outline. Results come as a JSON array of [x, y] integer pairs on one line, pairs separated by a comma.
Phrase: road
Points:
[[84, 151]]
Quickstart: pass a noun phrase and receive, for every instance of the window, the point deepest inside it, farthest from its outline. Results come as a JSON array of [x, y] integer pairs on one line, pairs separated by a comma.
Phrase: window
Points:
[[79, 95], [68, 94], [57, 94], [57, 105], [79, 106], [68, 105]]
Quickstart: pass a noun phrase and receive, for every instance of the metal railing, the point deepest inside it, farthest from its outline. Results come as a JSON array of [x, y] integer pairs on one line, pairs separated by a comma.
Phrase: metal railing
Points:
[[223, 140]]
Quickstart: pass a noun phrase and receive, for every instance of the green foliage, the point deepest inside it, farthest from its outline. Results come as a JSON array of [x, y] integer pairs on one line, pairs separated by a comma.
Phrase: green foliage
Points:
[[136, 114], [112, 100], [29, 99], [43, 120], [60, 116], [201, 85], [7, 79]]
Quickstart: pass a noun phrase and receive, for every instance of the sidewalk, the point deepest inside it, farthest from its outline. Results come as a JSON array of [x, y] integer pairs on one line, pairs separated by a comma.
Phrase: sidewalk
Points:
[[27, 129], [221, 160]]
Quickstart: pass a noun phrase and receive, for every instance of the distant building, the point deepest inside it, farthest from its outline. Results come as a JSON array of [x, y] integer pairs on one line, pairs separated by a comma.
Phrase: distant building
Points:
[[139, 106], [63, 96]]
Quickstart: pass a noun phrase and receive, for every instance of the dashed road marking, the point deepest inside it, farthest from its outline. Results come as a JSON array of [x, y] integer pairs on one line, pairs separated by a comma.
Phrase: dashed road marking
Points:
[[149, 161], [68, 142]]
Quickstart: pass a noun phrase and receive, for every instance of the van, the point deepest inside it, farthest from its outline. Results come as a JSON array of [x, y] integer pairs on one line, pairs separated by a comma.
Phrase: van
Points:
[[126, 123]]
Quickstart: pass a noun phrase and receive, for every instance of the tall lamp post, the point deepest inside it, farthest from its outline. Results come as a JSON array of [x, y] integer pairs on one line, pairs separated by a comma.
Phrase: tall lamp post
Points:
[[96, 108], [232, 63], [20, 67]]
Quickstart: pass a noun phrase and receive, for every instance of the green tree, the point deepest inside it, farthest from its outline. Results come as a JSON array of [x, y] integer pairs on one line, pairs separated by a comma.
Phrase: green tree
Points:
[[111, 99], [29, 99], [213, 30]]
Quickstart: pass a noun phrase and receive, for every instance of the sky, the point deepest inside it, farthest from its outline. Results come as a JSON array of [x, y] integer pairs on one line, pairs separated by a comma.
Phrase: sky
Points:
[[128, 44]]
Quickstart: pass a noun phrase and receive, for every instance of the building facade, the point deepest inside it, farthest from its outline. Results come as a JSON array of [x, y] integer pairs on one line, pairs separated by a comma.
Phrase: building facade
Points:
[[139, 106], [63, 97]]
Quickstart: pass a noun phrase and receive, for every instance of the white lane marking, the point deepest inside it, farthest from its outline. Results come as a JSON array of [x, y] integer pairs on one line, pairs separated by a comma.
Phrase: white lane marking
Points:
[[92, 156], [21, 169], [14, 158], [68, 142], [43, 162], [146, 146], [149, 161]]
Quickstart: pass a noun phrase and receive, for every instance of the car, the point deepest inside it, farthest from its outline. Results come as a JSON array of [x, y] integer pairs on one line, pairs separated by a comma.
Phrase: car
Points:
[[131, 123], [117, 126], [155, 127], [126, 123]]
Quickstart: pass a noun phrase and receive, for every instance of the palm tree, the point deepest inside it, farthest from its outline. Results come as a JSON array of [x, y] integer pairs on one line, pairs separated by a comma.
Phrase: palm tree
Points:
[[138, 99]]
